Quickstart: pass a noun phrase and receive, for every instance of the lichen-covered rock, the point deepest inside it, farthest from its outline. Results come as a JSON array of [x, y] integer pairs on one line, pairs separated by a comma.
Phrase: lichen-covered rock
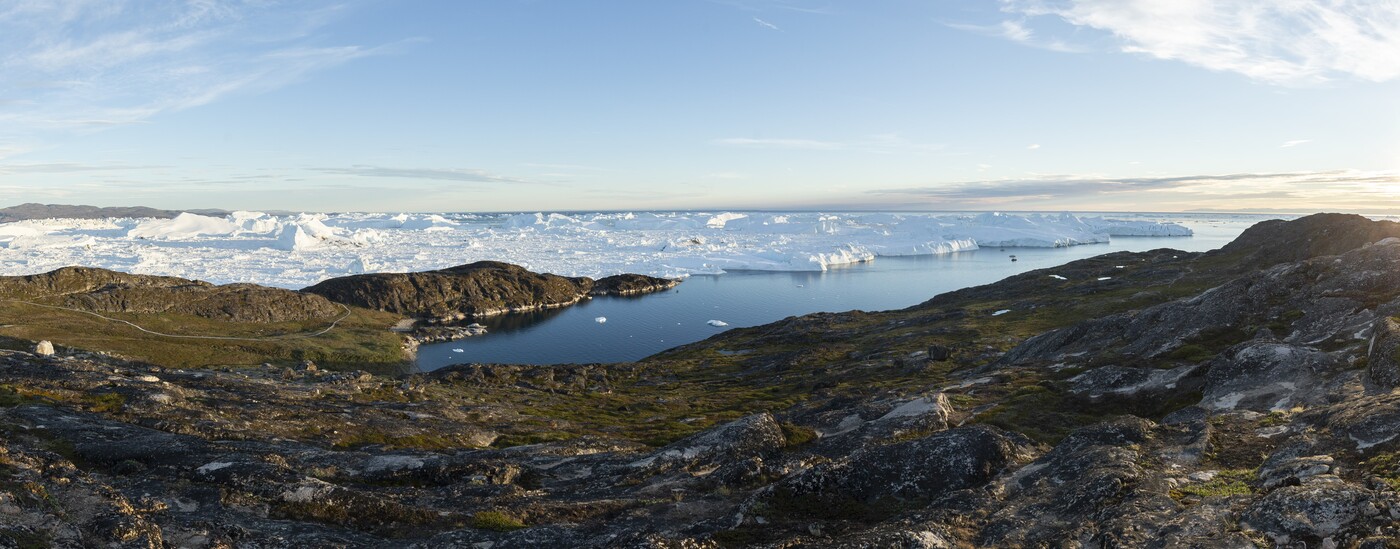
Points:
[[1294, 465], [1053, 497], [1367, 424], [897, 420], [1266, 376], [754, 436], [876, 481], [1135, 383], [1383, 353], [1315, 513]]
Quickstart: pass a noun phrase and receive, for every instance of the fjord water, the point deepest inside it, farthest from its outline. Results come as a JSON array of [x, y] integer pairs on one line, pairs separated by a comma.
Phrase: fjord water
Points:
[[640, 326]]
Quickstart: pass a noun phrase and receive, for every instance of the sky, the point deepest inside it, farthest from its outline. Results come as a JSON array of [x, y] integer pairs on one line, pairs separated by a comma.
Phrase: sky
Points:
[[531, 105]]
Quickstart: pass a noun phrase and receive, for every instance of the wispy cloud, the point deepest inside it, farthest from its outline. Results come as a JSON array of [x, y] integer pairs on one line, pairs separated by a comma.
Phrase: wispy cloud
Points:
[[727, 175], [816, 7], [1032, 146], [66, 167], [464, 175], [766, 24], [1017, 31], [1294, 143], [80, 65], [879, 144], [1279, 42], [779, 143]]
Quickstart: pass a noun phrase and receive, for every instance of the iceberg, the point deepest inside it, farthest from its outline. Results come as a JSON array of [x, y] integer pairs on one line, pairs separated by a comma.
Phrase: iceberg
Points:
[[182, 227], [1120, 227], [295, 251]]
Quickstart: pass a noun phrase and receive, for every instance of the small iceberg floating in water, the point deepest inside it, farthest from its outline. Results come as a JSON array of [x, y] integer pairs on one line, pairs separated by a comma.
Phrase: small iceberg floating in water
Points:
[[601, 319], [459, 350], [717, 323]]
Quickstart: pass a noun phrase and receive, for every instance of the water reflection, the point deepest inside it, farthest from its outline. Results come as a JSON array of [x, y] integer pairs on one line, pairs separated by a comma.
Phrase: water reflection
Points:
[[517, 321], [639, 326]]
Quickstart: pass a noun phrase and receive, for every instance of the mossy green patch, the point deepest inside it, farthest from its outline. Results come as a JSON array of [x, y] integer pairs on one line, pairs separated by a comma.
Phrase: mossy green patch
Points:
[[368, 436], [797, 435], [1191, 352], [496, 520], [1230, 482], [104, 402], [526, 439], [1386, 466]]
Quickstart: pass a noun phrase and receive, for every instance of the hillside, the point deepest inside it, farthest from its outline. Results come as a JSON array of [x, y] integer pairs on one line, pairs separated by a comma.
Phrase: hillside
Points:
[[483, 288], [1245, 397], [63, 211], [176, 322]]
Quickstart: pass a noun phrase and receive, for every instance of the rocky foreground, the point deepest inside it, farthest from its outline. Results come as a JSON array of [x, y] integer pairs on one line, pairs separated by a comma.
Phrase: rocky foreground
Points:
[[1240, 398]]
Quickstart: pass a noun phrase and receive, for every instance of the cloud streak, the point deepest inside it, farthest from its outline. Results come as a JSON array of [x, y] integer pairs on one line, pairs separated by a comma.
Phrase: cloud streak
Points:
[[1320, 187], [1292, 43], [66, 168], [1017, 31], [82, 65], [766, 24], [461, 175], [878, 144]]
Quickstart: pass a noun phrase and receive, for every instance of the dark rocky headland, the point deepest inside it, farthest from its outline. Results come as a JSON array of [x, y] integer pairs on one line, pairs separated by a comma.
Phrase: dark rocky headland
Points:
[[475, 290], [1245, 397]]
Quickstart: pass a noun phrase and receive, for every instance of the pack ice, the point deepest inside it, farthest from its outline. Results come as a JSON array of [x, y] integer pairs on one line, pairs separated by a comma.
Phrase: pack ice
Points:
[[295, 251]]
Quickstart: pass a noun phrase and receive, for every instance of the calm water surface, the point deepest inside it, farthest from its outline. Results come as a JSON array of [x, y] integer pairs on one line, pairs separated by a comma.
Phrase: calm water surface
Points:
[[640, 326]]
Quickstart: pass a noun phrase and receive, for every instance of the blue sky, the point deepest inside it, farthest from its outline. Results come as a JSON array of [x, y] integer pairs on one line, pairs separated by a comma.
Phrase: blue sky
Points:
[[420, 105]]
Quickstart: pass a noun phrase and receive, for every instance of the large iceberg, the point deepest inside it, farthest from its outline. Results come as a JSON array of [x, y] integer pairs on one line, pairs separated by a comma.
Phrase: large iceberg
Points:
[[183, 227], [295, 251]]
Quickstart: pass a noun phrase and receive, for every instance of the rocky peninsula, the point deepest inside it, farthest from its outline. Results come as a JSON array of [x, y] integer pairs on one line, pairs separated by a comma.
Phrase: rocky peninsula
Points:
[[1245, 397], [474, 290]]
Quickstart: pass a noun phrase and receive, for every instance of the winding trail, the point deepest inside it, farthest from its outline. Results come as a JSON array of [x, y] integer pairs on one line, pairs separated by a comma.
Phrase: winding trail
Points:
[[334, 323]]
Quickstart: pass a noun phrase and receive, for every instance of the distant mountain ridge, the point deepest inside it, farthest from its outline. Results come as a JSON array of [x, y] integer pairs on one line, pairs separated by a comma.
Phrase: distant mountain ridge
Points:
[[34, 210]]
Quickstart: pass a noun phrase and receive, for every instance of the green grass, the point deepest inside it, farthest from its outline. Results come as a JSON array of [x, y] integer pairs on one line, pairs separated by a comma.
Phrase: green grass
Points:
[[360, 341], [1230, 482], [797, 435], [506, 441], [9, 396], [495, 520], [1386, 466], [368, 436], [104, 402], [1191, 352]]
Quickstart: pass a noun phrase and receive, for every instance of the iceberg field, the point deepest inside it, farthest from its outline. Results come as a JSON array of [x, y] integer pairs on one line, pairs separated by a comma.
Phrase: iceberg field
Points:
[[299, 250]]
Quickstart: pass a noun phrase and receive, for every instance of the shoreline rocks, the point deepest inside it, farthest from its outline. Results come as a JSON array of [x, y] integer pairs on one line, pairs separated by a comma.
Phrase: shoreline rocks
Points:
[[477, 290]]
